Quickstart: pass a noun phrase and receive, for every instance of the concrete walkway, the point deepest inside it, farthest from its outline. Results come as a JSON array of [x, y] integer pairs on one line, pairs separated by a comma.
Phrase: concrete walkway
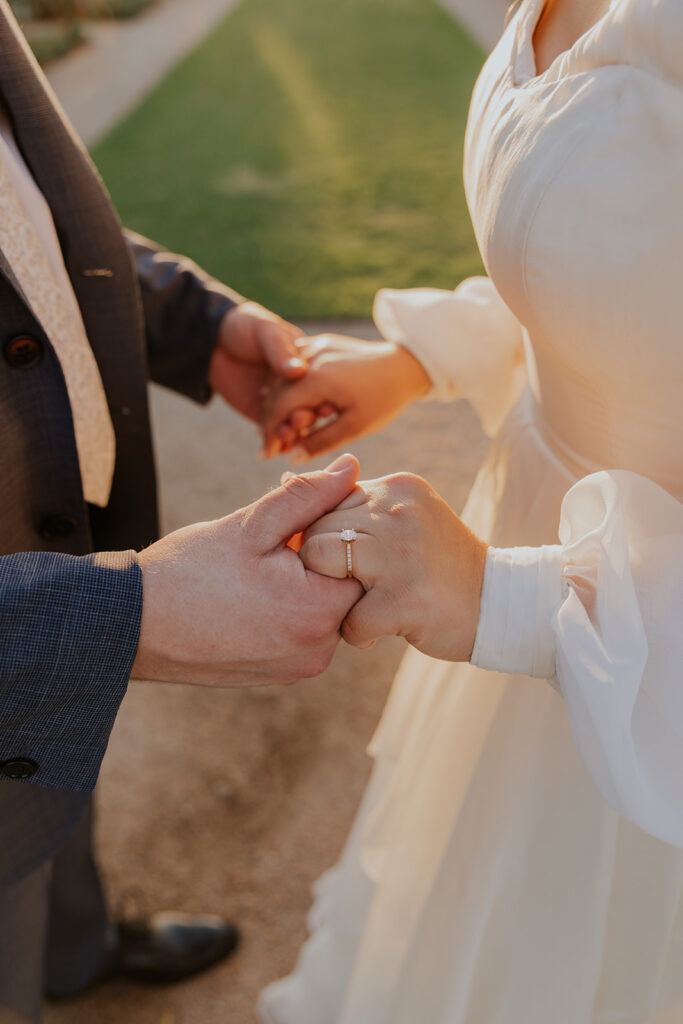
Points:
[[100, 83]]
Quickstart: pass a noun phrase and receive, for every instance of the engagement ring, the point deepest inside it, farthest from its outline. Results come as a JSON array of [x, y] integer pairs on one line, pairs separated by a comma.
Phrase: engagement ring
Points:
[[347, 537]]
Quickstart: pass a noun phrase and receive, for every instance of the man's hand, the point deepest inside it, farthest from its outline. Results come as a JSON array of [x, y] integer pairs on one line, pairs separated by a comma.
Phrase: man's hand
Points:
[[356, 386], [421, 566], [252, 345], [227, 603]]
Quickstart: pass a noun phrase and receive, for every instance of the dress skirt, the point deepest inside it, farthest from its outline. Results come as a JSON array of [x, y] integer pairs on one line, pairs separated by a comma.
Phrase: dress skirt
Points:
[[486, 880]]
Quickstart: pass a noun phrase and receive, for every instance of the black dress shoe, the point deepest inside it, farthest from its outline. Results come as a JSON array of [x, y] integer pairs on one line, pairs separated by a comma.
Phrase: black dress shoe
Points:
[[162, 949], [171, 946]]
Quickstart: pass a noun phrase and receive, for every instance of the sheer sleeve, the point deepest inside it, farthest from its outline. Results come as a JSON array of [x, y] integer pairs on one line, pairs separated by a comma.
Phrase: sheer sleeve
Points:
[[468, 342], [602, 615]]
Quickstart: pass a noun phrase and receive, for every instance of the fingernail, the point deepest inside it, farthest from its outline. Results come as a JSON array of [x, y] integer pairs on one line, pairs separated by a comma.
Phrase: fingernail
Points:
[[294, 363], [298, 455], [340, 464]]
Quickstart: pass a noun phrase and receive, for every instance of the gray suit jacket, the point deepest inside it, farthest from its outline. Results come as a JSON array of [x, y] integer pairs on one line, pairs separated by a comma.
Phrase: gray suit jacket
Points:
[[69, 619]]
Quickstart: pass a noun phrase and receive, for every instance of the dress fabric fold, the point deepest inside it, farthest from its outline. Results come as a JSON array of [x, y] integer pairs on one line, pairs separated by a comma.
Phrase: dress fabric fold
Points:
[[516, 858]]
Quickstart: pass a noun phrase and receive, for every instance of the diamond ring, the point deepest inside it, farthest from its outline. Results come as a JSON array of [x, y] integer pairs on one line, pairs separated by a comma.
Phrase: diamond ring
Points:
[[347, 537]]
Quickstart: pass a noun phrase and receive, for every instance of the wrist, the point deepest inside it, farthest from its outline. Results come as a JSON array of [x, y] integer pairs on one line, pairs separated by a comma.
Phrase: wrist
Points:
[[408, 371], [480, 551], [153, 658]]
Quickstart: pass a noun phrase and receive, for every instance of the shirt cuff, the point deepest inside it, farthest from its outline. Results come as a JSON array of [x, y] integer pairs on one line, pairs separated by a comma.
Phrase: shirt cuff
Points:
[[523, 588]]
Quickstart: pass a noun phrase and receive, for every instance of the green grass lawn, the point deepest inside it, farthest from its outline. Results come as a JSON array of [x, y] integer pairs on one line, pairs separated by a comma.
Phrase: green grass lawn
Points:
[[308, 153]]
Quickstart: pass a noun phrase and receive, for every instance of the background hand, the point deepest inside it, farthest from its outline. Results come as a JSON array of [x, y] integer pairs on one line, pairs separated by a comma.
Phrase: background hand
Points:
[[365, 384], [421, 567], [253, 343], [227, 603]]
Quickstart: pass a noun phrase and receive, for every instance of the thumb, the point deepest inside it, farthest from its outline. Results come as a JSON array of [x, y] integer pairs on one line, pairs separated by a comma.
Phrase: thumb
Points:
[[302, 500], [277, 342]]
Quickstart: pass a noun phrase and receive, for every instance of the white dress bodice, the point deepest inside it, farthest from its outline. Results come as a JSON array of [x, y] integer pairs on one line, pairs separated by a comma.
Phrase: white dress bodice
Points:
[[575, 182], [494, 872], [574, 179]]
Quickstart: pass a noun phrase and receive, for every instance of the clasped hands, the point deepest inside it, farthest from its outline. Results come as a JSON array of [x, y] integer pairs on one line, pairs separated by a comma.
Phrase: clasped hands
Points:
[[262, 595], [420, 566]]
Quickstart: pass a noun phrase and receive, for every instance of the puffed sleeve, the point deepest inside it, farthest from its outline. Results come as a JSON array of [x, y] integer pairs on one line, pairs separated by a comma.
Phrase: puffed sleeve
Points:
[[468, 341], [601, 614]]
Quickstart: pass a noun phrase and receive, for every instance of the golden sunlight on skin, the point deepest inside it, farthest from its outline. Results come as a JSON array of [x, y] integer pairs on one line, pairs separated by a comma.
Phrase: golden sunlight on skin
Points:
[[356, 386], [561, 24], [432, 597]]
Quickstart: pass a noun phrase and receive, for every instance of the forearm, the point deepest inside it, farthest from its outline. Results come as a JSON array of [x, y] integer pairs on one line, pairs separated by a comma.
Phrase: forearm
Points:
[[468, 341], [69, 631], [183, 309]]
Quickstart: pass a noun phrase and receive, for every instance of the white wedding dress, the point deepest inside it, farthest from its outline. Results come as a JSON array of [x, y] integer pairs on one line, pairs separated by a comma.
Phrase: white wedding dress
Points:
[[516, 859]]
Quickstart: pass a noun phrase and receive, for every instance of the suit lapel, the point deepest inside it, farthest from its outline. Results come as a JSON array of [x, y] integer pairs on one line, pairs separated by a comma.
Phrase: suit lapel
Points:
[[6, 271], [96, 256]]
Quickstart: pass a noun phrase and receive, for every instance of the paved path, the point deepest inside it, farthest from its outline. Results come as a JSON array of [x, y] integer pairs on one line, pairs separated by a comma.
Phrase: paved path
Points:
[[103, 81]]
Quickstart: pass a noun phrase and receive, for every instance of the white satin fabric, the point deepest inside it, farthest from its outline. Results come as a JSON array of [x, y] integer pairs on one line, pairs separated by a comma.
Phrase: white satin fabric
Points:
[[513, 861]]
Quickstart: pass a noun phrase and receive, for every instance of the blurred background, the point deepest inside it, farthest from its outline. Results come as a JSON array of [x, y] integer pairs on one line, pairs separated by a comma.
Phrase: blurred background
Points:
[[307, 152]]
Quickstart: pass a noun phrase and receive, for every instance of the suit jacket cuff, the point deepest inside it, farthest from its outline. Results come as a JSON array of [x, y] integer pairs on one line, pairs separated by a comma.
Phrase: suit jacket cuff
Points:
[[183, 309], [69, 631]]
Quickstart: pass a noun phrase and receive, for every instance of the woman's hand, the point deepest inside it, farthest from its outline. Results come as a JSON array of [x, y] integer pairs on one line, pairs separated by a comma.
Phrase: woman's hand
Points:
[[357, 386], [421, 567]]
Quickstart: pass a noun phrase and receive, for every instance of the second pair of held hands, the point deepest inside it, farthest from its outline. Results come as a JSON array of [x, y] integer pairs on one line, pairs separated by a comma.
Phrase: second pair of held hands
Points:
[[231, 603]]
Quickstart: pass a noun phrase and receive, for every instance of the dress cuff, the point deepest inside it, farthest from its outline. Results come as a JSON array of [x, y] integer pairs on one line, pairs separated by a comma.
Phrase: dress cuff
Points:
[[523, 588]]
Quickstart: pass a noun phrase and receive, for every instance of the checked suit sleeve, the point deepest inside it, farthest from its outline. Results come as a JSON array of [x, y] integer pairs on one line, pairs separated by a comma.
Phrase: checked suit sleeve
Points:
[[69, 631], [183, 309]]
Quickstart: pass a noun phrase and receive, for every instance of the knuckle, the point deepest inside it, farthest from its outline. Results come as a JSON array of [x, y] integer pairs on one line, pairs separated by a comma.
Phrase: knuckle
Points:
[[409, 499], [316, 662], [250, 521], [408, 485], [300, 488]]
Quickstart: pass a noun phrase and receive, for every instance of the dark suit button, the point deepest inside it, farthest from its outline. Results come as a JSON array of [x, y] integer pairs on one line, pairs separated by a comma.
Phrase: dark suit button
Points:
[[23, 352], [18, 768], [57, 527]]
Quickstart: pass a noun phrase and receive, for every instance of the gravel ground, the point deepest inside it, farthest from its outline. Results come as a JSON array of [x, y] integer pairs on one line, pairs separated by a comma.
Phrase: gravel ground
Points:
[[235, 801]]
